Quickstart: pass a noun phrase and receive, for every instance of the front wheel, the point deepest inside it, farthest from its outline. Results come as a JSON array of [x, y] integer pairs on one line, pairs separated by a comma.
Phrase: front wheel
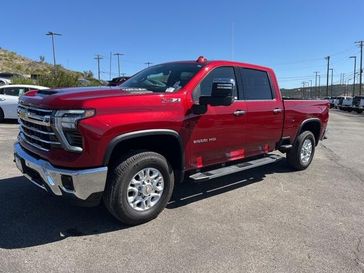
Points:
[[301, 154], [139, 187]]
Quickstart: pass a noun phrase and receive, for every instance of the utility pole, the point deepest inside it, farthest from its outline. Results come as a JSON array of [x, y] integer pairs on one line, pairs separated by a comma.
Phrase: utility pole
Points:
[[361, 64], [354, 57], [52, 34], [119, 54], [316, 72], [148, 63], [98, 58], [319, 91], [303, 90], [332, 80], [327, 75], [346, 87]]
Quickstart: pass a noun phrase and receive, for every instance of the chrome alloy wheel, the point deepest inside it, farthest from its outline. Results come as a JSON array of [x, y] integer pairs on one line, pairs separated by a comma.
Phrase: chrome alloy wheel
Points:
[[306, 151], [145, 189]]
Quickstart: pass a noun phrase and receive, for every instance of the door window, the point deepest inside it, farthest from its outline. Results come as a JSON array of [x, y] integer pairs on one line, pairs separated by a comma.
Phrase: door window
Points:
[[218, 74], [256, 84]]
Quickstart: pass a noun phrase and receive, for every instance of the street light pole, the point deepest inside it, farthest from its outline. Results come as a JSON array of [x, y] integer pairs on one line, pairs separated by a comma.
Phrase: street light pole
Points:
[[52, 34], [354, 57], [118, 55]]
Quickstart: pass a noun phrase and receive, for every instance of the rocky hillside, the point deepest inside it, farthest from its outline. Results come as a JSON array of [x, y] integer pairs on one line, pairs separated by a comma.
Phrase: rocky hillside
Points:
[[14, 63]]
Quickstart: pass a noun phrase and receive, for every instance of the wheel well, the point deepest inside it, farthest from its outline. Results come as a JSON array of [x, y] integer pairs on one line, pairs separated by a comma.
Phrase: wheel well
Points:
[[313, 126], [167, 145]]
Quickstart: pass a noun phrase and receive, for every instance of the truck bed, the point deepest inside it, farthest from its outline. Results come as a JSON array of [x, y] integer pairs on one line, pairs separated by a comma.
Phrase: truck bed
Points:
[[297, 111]]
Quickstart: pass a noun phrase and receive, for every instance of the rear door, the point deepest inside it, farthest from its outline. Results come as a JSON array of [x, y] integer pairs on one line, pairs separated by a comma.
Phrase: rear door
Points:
[[218, 135], [264, 111]]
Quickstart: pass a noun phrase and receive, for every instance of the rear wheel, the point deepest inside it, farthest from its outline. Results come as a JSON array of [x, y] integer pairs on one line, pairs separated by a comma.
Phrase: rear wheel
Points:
[[139, 187], [301, 154]]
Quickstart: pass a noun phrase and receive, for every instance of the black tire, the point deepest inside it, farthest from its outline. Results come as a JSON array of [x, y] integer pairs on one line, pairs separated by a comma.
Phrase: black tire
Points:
[[122, 172], [359, 111], [294, 155], [1, 115]]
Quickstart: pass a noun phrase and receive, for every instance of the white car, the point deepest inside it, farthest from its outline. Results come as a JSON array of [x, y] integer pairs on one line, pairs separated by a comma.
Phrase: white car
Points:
[[9, 96], [4, 81]]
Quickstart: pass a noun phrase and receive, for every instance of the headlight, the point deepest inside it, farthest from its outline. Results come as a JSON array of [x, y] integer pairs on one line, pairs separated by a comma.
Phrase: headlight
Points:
[[65, 124], [70, 118]]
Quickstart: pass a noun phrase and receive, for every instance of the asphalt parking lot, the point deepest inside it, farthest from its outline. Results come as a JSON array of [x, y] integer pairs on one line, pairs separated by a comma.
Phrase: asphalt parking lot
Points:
[[265, 220]]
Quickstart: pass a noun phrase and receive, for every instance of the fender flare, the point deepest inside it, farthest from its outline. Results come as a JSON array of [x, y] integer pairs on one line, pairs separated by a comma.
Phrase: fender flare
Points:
[[305, 122], [142, 133]]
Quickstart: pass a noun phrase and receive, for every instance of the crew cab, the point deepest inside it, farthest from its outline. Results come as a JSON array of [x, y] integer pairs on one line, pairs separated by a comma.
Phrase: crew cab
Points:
[[128, 145]]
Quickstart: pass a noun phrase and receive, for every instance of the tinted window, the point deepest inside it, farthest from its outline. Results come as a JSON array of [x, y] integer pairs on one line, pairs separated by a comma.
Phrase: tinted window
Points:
[[256, 85], [218, 74]]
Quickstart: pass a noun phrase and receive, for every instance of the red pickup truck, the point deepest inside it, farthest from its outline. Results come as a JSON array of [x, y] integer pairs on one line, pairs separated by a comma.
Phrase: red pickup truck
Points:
[[128, 145]]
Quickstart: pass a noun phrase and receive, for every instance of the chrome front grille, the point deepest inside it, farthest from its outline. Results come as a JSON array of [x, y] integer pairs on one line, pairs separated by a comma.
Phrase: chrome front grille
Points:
[[35, 127]]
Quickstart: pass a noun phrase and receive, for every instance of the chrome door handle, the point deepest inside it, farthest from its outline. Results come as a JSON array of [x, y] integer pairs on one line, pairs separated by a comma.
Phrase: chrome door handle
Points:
[[239, 113], [277, 110]]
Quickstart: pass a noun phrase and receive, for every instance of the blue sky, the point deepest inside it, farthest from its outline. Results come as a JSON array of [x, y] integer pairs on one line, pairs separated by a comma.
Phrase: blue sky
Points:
[[292, 37]]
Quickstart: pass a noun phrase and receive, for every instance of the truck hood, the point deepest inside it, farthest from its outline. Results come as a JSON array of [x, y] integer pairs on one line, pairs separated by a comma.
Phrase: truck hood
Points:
[[64, 98]]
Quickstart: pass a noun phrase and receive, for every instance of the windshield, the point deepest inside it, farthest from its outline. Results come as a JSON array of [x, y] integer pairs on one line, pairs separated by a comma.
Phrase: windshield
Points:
[[168, 77]]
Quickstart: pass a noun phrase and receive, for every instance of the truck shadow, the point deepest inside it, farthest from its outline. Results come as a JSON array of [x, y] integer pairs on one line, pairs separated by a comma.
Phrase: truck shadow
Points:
[[30, 217], [189, 192]]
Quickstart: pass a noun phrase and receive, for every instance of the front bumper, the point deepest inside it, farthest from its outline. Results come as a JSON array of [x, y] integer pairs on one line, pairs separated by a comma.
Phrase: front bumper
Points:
[[81, 185]]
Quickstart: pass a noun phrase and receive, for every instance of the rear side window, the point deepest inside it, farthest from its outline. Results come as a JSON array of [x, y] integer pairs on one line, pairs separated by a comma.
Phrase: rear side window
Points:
[[256, 84]]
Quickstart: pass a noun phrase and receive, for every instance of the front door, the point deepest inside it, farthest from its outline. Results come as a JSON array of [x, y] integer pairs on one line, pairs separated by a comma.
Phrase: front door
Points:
[[218, 135]]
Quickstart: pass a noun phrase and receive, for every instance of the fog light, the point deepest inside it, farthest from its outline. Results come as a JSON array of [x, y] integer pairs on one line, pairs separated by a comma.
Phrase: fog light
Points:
[[67, 182]]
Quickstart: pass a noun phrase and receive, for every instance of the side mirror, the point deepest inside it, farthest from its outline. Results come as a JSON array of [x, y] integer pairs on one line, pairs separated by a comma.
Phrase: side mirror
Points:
[[221, 94]]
